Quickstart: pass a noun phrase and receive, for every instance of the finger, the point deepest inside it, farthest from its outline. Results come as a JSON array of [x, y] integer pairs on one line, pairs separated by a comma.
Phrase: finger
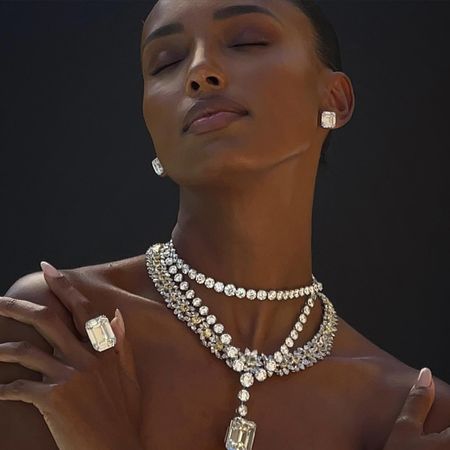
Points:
[[26, 391], [49, 325], [79, 306], [417, 405], [32, 357], [130, 383]]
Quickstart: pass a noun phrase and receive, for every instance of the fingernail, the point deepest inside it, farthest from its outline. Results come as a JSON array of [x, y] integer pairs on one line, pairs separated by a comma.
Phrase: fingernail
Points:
[[49, 270], [424, 378], [119, 316]]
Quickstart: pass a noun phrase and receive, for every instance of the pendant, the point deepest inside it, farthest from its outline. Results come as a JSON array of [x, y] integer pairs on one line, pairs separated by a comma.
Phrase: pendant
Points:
[[240, 434]]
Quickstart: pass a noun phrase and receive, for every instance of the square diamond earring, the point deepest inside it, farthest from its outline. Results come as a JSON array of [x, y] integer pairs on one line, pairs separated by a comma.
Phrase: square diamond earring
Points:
[[328, 119], [158, 168]]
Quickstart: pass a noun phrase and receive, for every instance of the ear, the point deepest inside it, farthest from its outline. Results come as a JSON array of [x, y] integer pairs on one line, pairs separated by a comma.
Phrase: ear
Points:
[[339, 97]]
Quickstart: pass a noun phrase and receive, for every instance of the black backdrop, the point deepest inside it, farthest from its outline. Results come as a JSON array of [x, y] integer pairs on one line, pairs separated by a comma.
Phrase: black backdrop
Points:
[[76, 176]]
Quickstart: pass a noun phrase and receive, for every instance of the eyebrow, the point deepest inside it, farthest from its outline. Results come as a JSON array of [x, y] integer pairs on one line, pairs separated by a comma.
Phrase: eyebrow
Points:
[[219, 14]]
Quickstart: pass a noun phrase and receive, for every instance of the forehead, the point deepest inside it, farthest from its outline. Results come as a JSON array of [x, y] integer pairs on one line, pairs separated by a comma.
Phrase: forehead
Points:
[[193, 11]]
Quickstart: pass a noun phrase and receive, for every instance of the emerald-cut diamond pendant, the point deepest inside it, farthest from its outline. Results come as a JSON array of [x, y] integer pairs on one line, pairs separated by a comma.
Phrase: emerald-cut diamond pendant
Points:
[[240, 434], [100, 333]]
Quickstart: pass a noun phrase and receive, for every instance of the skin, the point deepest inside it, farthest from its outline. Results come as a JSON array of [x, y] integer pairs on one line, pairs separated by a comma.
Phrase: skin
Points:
[[246, 197]]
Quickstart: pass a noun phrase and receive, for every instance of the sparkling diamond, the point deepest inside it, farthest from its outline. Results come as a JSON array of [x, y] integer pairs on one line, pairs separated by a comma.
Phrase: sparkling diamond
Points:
[[218, 328], [173, 269], [247, 379], [238, 365], [211, 319], [261, 375], [184, 285], [209, 282], [242, 410], [302, 291], [190, 294], [279, 295], [297, 293], [100, 333], [218, 286], [278, 357], [310, 302], [196, 302], [291, 294], [262, 295], [241, 293], [307, 290], [302, 318], [272, 295], [289, 342], [200, 278], [230, 290], [168, 261], [298, 326], [178, 277], [294, 334], [192, 274], [284, 349], [306, 310], [240, 434], [251, 294], [225, 338], [271, 365], [232, 352], [243, 395], [285, 295], [185, 268], [203, 310]]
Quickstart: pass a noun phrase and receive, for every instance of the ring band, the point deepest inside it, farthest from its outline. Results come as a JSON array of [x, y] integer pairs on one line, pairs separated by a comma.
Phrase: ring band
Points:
[[100, 333]]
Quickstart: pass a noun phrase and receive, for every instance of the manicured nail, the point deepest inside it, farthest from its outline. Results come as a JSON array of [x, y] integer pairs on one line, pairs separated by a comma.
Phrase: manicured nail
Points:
[[49, 270], [424, 378], [119, 316]]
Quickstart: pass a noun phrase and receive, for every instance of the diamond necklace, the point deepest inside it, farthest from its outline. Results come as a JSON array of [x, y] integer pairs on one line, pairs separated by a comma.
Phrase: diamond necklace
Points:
[[240, 433], [176, 264]]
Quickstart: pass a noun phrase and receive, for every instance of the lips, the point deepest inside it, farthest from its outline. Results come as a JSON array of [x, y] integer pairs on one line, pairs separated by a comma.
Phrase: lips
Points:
[[208, 106]]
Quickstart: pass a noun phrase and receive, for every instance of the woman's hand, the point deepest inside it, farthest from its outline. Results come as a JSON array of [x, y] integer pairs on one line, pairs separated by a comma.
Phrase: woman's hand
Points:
[[407, 433], [90, 400]]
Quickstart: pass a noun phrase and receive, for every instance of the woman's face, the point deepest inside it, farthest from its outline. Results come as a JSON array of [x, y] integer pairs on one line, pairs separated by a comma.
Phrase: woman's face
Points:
[[277, 83]]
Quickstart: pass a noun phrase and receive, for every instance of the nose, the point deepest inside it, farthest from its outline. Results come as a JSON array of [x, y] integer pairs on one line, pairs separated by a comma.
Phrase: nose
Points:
[[204, 74]]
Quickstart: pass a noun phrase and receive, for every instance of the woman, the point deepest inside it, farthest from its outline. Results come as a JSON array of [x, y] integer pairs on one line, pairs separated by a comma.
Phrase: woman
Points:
[[268, 75]]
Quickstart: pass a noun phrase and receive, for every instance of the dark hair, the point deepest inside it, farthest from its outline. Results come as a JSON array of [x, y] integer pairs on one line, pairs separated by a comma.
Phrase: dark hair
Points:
[[327, 46]]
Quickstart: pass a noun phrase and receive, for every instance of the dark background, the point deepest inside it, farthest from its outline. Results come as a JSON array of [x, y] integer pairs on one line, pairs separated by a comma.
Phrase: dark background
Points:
[[77, 187]]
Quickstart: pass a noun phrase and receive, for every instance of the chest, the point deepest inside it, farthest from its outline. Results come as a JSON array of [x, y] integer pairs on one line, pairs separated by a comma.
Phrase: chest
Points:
[[190, 396]]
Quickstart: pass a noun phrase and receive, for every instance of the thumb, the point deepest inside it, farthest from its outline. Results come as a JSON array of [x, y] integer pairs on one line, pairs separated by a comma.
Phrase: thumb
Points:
[[418, 404]]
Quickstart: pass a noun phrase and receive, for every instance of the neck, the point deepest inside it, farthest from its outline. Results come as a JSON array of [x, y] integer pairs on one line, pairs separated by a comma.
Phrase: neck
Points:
[[256, 237]]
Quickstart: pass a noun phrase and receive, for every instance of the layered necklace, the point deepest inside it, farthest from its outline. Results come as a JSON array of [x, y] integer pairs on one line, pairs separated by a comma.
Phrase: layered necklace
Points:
[[170, 273]]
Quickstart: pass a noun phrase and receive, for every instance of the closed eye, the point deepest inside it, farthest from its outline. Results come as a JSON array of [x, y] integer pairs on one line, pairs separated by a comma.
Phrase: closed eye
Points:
[[249, 43]]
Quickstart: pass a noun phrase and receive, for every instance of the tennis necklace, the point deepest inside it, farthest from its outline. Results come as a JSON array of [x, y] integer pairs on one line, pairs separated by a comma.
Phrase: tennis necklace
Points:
[[161, 259]]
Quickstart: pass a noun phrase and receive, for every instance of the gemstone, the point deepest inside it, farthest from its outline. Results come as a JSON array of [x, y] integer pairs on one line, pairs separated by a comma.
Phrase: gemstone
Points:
[[247, 379], [289, 342], [278, 357], [238, 365], [190, 294], [203, 310], [291, 294], [200, 278], [242, 410], [262, 295], [173, 269], [302, 292], [243, 395], [294, 334], [225, 338], [251, 294], [297, 293], [230, 290], [302, 318], [279, 295], [306, 310], [218, 286], [184, 285], [284, 349], [271, 365], [209, 282], [298, 326], [241, 293], [232, 352], [100, 333], [185, 268], [240, 434], [272, 295], [218, 328], [178, 277], [196, 302], [192, 274], [261, 375], [285, 295], [211, 319], [168, 262], [310, 302]]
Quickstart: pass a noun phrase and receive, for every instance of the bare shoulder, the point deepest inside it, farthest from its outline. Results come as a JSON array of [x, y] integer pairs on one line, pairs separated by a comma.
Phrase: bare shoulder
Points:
[[383, 384]]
